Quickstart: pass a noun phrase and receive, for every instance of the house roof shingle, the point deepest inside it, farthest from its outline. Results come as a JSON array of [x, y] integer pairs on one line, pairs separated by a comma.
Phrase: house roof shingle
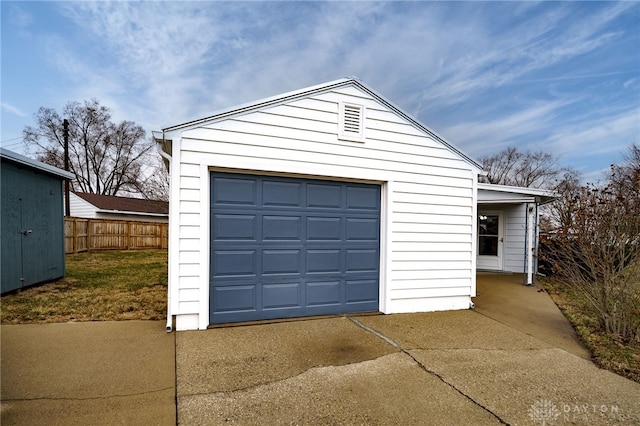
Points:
[[125, 204]]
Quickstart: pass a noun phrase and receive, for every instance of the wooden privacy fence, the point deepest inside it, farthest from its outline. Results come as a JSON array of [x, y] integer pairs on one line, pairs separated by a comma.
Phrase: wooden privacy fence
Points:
[[81, 234]]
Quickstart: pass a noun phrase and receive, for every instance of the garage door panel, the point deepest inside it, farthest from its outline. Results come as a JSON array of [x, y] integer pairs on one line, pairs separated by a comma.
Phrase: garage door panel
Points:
[[363, 260], [363, 229], [363, 198], [234, 227], [281, 295], [288, 262], [325, 196], [324, 293], [324, 228], [292, 248], [281, 194], [234, 191], [282, 228], [233, 263], [362, 291], [240, 298], [324, 261]]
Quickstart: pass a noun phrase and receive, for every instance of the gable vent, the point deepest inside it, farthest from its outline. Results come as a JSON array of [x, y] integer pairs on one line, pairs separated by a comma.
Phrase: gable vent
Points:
[[351, 122]]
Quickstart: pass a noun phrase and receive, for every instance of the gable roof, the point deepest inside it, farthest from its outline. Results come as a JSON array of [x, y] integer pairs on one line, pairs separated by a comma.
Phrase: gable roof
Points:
[[5, 154], [303, 93], [113, 204]]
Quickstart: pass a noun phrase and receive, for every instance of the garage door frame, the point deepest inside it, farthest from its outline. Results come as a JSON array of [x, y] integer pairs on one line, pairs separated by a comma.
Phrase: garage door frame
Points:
[[207, 242]]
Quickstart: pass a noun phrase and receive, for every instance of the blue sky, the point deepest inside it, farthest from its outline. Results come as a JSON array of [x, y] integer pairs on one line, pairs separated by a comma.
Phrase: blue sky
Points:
[[562, 77]]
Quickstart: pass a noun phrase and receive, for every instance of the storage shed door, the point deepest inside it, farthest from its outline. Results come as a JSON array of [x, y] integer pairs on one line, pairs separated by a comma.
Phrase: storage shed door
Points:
[[285, 247]]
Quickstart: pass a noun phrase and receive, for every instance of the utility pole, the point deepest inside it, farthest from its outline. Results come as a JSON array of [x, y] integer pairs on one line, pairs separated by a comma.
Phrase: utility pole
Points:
[[67, 183]]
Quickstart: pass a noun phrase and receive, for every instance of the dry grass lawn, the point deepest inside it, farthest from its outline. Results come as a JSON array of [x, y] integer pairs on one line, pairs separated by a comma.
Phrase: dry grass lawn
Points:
[[99, 286], [607, 351]]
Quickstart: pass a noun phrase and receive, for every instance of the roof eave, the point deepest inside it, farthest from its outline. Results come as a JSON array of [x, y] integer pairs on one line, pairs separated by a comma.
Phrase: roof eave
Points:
[[35, 164]]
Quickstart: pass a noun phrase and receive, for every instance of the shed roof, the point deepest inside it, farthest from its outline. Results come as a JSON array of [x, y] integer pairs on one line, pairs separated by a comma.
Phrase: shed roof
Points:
[[5, 154], [109, 203], [510, 194], [312, 90]]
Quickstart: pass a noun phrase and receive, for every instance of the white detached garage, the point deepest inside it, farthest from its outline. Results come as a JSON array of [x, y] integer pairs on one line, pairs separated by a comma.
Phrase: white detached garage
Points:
[[326, 200]]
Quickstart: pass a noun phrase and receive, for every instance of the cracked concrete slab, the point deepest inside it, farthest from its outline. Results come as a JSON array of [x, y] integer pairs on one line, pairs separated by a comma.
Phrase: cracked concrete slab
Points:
[[231, 358], [450, 330], [512, 382], [391, 389], [108, 372]]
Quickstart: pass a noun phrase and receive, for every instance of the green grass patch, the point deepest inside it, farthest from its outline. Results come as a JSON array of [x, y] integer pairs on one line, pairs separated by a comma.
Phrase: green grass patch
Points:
[[99, 286], [608, 351]]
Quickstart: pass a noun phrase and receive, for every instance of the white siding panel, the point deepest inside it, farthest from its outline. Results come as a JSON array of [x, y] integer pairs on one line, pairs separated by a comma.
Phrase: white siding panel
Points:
[[190, 232], [189, 182], [192, 170], [190, 206], [283, 144], [190, 257], [416, 257], [189, 269], [189, 219], [190, 194], [430, 263], [430, 237], [430, 216], [189, 244], [78, 207], [427, 304], [434, 228], [431, 292], [189, 295], [188, 307], [427, 247], [440, 283], [189, 283]]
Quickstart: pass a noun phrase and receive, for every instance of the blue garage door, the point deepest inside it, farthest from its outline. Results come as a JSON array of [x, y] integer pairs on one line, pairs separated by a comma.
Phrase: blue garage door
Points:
[[285, 247]]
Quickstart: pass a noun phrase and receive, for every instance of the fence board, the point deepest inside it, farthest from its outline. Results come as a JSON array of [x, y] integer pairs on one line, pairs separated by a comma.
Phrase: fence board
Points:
[[81, 234]]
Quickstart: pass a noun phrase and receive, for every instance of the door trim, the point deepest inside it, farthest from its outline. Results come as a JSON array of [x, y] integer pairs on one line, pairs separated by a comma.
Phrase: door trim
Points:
[[490, 262]]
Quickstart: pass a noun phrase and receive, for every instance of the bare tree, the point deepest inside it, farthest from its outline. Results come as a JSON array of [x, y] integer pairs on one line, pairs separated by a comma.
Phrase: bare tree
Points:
[[516, 168], [156, 184], [106, 158], [596, 246]]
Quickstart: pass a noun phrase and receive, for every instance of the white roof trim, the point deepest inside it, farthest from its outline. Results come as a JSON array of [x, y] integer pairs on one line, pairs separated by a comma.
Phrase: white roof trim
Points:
[[542, 196], [132, 213], [39, 165], [290, 96]]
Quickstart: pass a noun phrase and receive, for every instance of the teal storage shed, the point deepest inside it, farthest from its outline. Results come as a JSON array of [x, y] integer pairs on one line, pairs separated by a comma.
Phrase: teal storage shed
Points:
[[32, 216]]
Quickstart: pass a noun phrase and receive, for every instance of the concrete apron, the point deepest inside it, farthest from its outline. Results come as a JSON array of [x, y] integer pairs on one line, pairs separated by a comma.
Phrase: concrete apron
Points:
[[443, 368]]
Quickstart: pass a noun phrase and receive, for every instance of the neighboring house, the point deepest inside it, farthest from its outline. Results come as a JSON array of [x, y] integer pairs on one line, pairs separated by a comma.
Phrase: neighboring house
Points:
[[508, 228], [95, 206], [32, 226], [326, 200]]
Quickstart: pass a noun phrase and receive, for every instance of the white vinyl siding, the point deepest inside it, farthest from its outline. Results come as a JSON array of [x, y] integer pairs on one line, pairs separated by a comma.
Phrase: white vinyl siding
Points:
[[428, 239]]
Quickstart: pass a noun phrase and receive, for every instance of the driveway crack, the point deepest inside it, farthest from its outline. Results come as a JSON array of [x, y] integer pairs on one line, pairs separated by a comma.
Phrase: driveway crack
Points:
[[89, 398], [425, 368]]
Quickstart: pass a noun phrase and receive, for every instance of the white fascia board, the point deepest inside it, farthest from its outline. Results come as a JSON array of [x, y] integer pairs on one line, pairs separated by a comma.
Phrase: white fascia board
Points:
[[508, 201], [132, 213], [516, 190]]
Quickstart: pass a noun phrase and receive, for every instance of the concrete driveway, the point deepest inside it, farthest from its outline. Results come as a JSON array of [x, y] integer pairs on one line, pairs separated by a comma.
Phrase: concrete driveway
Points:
[[497, 364], [513, 360]]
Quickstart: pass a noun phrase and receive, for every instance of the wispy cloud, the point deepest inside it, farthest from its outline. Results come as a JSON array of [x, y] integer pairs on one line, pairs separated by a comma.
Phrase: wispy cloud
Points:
[[483, 74], [13, 110]]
